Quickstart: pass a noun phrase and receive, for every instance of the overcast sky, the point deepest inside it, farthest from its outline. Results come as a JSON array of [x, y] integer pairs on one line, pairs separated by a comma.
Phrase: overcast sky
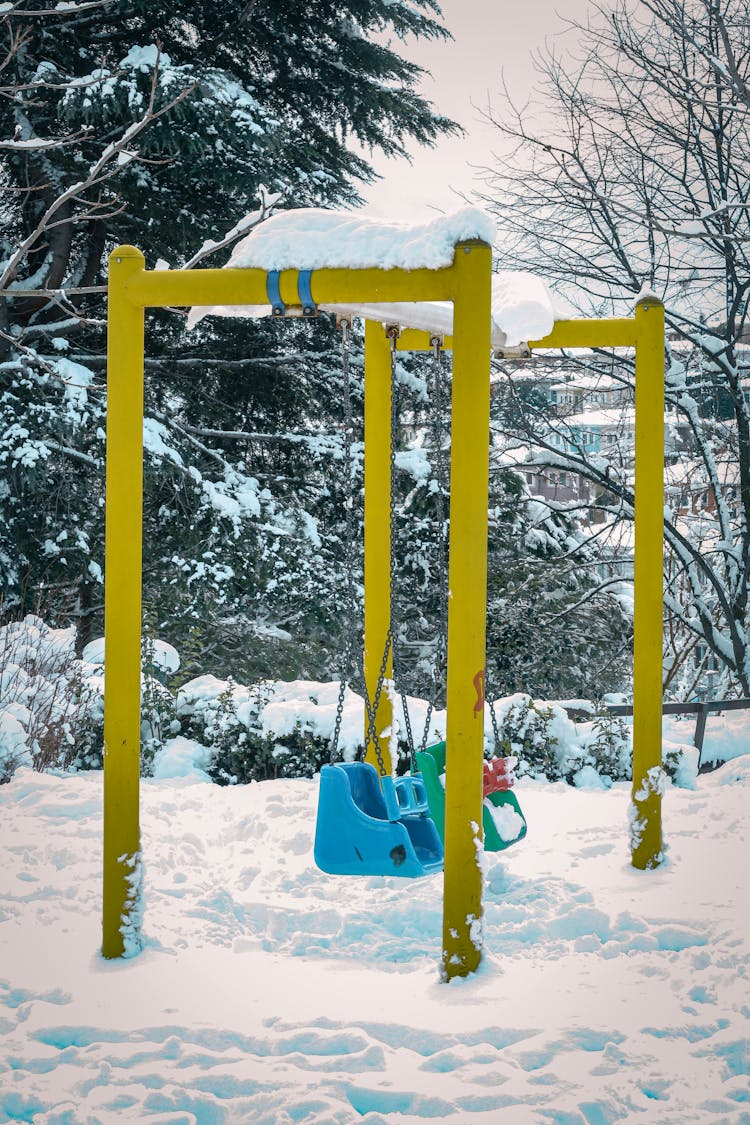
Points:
[[490, 38]]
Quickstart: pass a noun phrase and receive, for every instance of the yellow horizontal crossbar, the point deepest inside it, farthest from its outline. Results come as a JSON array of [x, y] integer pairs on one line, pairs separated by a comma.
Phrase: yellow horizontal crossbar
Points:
[[416, 340], [608, 333], [158, 288]]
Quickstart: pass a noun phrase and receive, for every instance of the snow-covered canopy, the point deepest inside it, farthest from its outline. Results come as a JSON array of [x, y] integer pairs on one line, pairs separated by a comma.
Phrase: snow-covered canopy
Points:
[[315, 238]]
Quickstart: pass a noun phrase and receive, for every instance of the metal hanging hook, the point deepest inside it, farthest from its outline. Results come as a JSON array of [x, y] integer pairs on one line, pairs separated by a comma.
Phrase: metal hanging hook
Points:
[[344, 325], [393, 331]]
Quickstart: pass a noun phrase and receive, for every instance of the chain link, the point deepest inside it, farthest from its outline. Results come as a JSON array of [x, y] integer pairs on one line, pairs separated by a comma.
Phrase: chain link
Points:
[[371, 733], [495, 731], [371, 706]]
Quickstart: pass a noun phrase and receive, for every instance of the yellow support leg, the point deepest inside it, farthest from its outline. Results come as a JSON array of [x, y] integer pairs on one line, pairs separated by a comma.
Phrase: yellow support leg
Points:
[[467, 606], [646, 826], [377, 547], [122, 610]]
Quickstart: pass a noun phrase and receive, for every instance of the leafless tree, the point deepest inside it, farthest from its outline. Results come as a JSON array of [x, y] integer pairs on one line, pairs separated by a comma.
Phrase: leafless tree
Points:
[[639, 177]]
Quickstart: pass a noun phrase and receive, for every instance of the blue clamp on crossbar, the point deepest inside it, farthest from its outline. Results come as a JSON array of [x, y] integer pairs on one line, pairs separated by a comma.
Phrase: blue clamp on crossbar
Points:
[[304, 278], [278, 308]]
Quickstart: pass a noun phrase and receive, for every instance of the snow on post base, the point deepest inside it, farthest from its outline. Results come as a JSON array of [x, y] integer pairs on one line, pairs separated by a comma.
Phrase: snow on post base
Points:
[[476, 931], [652, 785], [131, 920]]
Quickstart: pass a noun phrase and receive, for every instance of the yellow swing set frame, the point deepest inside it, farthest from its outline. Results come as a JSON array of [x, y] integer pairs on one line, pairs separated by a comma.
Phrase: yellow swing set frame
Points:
[[467, 284]]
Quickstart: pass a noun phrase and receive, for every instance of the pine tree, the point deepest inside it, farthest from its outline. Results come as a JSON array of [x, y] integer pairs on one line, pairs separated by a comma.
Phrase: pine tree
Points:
[[163, 125]]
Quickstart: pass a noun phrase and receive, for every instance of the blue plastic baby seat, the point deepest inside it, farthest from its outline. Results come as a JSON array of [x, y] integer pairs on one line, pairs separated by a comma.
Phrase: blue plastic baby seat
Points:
[[358, 834]]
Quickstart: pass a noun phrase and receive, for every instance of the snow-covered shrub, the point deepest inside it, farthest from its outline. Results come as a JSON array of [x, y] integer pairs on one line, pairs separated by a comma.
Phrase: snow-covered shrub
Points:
[[301, 753], [158, 720], [678, 767], [88, 744], [158, 715], [159, 723], [611, 747], [182, 757], [225, 717], [525, 730], [605, 747], [52, 710], [301, 717], [13, 749], [268, 730], [48, 703], [52, 703]]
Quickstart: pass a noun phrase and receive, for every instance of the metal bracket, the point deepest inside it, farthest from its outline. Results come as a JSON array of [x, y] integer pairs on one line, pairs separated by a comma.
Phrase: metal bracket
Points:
[[520, 351], [393, 331]]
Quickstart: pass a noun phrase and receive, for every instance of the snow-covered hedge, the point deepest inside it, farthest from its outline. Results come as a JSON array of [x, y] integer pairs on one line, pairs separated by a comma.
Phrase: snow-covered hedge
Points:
[[51, 717], [51, 705]]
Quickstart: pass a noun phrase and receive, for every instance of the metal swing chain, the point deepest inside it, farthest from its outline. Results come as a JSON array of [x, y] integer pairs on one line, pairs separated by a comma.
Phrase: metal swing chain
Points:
[[495, 730], [346, 661], [442, 546], [389, 649], [371, 732], [397, 679], [345, 327]]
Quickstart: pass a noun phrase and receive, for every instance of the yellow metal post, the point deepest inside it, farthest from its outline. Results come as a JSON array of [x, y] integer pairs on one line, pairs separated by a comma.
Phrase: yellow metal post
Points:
[[646, 827], [467, 607], [377, 540], [646, 333], [122, 609]]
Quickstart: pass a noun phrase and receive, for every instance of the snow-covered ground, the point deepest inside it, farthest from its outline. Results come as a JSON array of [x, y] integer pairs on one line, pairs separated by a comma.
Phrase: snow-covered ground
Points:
[[269, 992]]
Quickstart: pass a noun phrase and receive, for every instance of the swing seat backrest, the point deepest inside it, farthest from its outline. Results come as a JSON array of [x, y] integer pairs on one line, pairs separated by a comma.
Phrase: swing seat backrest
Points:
[[354, 835], [412, 795], [364, 786], [431, 765]]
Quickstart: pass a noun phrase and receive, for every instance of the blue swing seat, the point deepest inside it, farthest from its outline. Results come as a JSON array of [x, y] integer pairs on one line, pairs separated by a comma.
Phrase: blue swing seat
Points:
[[361, 831]]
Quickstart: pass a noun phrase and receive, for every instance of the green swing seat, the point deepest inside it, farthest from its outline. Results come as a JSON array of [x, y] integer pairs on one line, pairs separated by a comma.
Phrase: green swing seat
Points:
[[431, 764]]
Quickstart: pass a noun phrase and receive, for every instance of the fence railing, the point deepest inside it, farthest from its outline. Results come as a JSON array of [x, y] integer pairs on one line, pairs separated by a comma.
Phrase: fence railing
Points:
[[700, 710]]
